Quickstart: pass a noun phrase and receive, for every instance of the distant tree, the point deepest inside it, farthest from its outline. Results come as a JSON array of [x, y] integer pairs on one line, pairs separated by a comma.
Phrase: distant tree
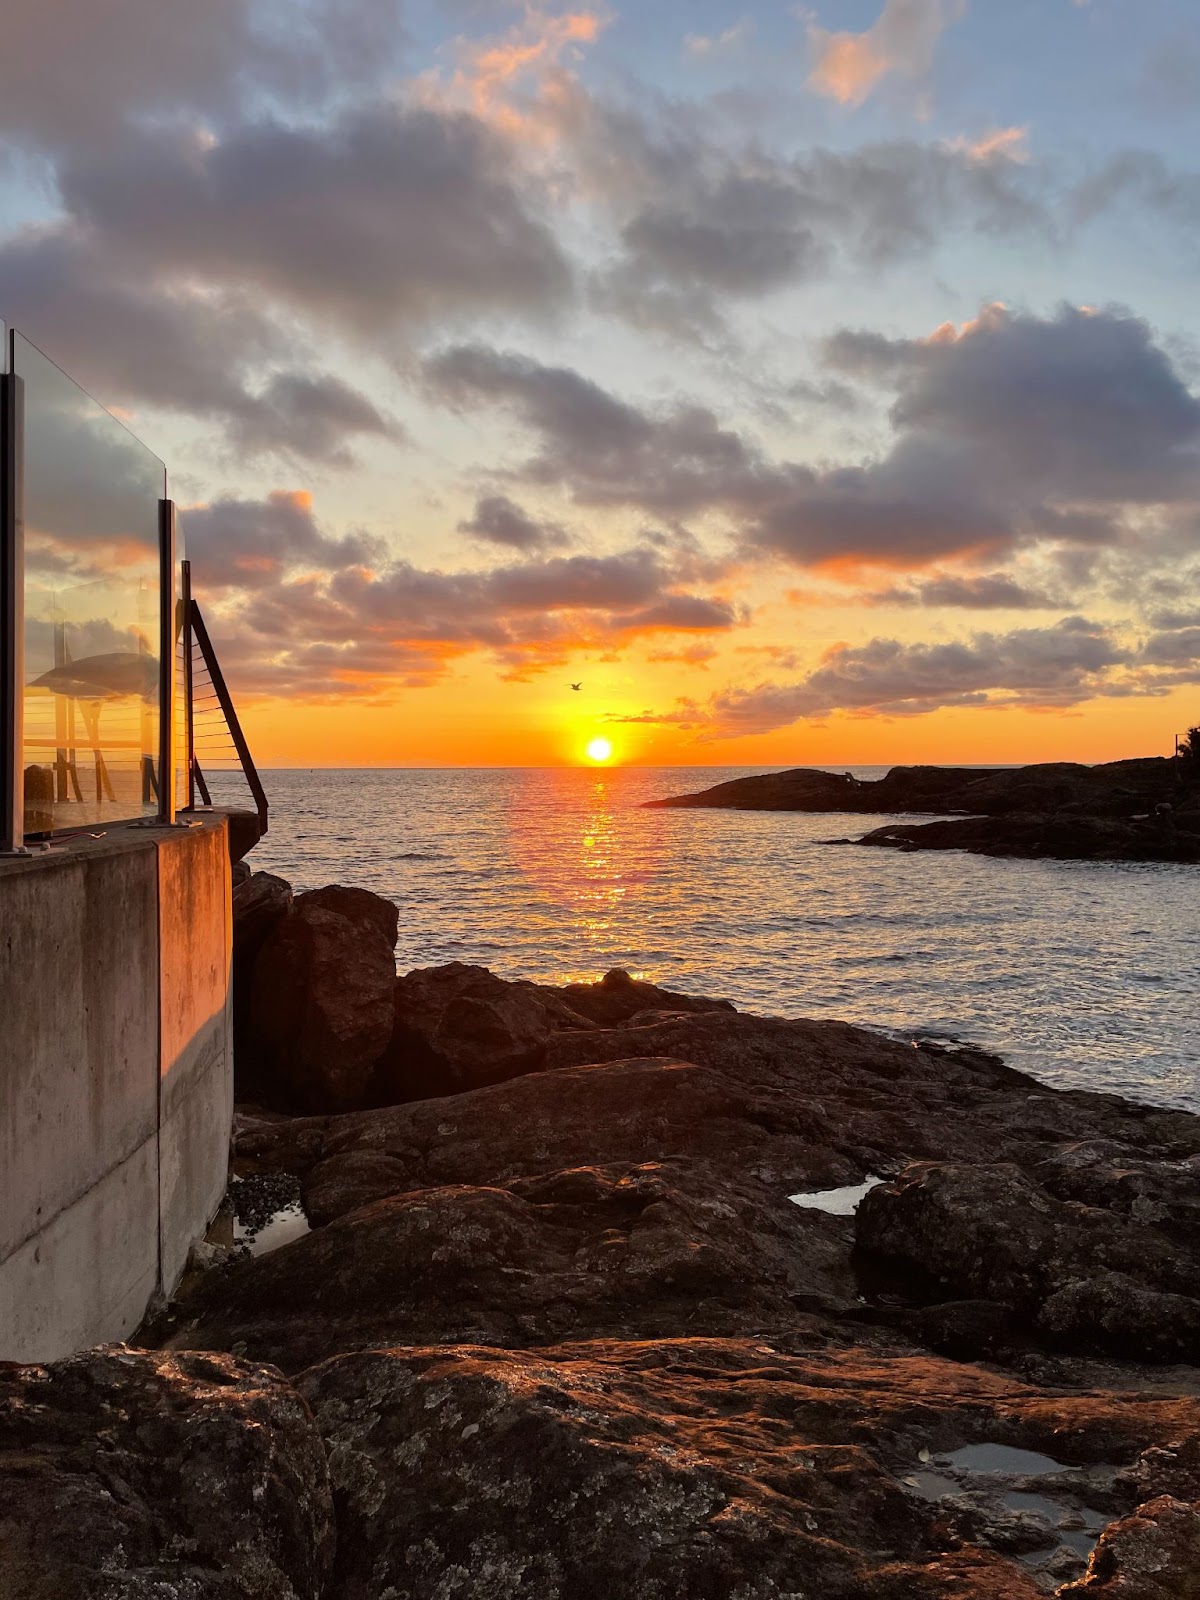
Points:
[[1189, 751]]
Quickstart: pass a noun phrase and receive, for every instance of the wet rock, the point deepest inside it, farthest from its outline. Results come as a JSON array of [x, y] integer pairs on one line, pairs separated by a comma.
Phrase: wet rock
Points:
[[532, 1212], [131, 1476], [1094, 1280], [457, 1026], [321, 1004], [697, 1467], [1152, 1555]]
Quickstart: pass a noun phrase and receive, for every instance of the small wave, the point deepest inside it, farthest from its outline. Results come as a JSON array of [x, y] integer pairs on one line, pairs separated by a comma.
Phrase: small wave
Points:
[[419, 855]]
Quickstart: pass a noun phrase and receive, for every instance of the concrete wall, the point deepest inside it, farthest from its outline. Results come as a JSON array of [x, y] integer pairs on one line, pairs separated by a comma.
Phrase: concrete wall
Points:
[[116, 1077]]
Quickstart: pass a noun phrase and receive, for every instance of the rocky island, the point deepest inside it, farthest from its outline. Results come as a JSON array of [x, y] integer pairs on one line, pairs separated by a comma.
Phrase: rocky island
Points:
[[1139, 810], [603, 1292]]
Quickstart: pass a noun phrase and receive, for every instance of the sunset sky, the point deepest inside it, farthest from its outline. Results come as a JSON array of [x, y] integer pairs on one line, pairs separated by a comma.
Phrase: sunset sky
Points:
[[811, 383]]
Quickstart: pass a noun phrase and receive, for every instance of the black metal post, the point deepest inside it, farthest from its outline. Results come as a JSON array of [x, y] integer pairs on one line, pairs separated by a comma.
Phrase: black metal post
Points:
[[12, 612], [185, 601], [166, 662]]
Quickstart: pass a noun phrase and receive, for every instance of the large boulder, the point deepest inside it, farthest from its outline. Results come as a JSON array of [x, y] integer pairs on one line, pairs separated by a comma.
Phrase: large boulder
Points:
[[1091, 1278], [322, 991], [133, 1476], [260, 901], [456, 1027]]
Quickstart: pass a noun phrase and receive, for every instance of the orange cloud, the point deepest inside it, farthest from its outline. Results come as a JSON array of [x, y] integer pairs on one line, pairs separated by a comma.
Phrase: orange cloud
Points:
[[847, 67], [1000, 144], [519, 82]]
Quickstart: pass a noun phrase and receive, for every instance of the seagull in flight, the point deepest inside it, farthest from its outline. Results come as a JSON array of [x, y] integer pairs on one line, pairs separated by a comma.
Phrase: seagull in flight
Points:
[[577, 687]]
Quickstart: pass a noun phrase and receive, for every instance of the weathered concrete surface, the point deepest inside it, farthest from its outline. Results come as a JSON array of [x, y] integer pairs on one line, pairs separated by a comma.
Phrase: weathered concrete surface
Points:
[[195, 936], [114, 995]]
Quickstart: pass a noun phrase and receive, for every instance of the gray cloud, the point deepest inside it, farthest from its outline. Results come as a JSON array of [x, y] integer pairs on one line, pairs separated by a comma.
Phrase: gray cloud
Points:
[[386, 216], [73, 74], [499, 520], [1054, 666], [138, 341], [1015, 430], [992, 591]]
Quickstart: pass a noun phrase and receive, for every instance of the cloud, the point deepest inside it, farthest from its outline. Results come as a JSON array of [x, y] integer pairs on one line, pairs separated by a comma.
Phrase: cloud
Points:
[[318, 616], [703, 46], [1000, 144], [73, 75], [171, 345], [499, 520], [975, 592], [847, 67], [1055, 666], [387, 216], [1011, 431]]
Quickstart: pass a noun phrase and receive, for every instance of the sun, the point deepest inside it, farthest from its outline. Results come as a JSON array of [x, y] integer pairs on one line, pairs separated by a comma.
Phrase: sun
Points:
[[599, 750]]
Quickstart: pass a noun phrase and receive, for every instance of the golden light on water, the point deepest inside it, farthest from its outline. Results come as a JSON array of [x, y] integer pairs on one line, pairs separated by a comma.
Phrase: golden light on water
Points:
[[599, 750]]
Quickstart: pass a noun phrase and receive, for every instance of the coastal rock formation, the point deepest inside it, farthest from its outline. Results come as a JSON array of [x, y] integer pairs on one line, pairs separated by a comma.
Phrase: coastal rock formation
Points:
[[704, 1467], [1142, 810], [142, 1476], [321, 995], [1065, 835], [638, 1186], [610, 1330], [1096, 1280]]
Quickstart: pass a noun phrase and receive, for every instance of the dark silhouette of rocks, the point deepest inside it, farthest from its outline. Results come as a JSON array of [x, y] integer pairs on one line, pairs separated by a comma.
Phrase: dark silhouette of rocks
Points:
[[320, 1003], [1141, 810]]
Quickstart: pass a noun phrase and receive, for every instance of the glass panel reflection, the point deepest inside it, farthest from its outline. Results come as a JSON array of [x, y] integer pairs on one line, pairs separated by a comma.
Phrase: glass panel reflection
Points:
[[91, 500]]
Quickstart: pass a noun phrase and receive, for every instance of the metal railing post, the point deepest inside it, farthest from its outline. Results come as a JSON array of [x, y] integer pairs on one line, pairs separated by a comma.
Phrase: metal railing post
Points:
[[12, 612], [166, 662], [186, 602]]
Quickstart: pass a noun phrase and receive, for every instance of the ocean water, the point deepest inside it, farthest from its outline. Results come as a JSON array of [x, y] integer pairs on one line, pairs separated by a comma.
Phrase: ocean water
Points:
[[1085, 975]]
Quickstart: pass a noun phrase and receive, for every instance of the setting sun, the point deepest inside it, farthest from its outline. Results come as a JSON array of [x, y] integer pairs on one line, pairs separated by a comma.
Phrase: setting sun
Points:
[[600, 750]]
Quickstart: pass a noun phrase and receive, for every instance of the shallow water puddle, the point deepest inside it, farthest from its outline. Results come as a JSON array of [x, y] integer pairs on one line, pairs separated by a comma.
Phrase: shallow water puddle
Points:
[[837, 1202], [980, 1475], [279, 1229]]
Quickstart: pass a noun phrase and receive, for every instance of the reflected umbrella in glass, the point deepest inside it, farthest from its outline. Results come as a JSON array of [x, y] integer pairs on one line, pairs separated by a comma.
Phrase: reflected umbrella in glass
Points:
[[93, 680]]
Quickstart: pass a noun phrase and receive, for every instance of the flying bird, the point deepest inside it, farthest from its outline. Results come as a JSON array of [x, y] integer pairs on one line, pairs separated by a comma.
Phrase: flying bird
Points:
[[577, 687]]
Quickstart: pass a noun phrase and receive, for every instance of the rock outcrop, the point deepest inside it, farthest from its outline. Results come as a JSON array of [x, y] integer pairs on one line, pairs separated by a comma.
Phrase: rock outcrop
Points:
[[568, 1335], [321, 995], [1143, 810], [126, 1475]]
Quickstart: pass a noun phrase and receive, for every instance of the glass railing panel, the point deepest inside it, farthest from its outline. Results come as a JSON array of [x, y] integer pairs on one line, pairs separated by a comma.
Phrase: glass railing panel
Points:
[[91, 505]]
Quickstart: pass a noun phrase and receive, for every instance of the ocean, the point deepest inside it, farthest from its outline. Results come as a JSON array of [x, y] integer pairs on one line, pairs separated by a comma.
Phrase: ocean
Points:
[[1085, 975]]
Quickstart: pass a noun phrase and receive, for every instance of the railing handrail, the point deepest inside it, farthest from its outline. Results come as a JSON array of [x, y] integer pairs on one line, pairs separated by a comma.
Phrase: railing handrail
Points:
[[200, 632]]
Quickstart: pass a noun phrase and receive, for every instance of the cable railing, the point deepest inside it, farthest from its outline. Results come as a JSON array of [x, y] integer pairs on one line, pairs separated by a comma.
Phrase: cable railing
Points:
[[219, 757]]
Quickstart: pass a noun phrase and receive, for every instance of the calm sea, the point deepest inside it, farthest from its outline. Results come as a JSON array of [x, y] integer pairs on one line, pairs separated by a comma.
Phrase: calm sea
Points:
[[1087, 976]]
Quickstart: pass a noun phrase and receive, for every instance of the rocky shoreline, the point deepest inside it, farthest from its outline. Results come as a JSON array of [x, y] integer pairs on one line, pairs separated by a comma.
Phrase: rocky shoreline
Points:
[[1141, 810], [561, 1329]]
